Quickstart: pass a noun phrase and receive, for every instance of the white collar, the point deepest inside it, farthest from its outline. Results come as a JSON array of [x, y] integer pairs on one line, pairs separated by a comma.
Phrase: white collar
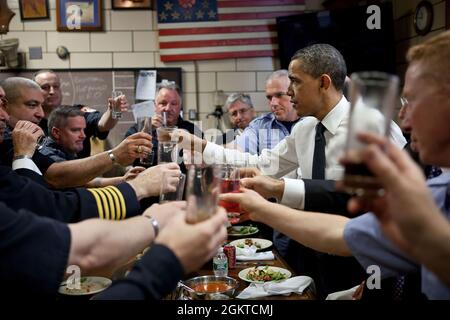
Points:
[[336, 115]]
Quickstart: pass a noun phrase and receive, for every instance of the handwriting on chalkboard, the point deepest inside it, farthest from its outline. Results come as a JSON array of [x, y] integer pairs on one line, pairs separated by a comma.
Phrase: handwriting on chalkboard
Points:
[[93, 87], [92, 90]]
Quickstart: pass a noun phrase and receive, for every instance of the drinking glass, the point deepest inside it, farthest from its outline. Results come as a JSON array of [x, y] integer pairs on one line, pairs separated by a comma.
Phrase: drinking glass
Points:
[[144, 124], [167, 146], [373, 97], [164, 118], [172, 196], [116, 111], [230, 177], [40, 142], [202, 190]]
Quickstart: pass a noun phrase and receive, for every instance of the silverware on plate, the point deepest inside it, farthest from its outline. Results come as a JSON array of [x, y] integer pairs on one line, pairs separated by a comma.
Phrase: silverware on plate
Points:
[[255, 263]]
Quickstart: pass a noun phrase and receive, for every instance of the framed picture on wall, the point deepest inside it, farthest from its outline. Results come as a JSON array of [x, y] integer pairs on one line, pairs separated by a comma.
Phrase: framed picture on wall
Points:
[[131, 4], [79, 15], [33, 9]]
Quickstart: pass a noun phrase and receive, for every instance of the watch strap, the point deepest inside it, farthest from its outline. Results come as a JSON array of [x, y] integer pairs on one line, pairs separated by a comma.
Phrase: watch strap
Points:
[[154, 223], [112, 156]]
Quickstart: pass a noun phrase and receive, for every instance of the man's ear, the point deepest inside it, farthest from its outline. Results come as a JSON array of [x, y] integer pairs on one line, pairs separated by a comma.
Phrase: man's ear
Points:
[[325, 81], [55, 133]]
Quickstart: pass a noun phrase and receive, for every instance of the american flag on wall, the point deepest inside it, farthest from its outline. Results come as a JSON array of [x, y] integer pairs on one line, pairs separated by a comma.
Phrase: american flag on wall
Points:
[[220, 29]]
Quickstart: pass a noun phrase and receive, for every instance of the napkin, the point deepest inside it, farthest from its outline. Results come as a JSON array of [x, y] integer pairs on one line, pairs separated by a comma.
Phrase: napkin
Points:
[[343, 295], [258, 290], [249, 253]]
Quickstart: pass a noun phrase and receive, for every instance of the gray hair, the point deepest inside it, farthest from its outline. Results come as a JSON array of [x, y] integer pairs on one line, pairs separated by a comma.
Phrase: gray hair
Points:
[[58, 117], [278, 74], [322, 58], [242, 97], [14, 85], [169, 85]]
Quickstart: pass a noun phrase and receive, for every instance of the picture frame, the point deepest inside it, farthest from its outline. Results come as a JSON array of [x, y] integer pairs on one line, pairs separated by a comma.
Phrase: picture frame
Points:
[[34, 9], [79, 15], [131, 4]]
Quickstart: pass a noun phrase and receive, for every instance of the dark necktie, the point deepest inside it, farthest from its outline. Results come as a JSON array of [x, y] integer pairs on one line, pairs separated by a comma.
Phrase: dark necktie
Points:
[[398, 289], [318, 168], [433, 172]]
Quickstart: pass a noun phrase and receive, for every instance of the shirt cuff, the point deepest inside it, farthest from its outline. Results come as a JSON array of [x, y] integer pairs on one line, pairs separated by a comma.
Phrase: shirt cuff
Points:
[[294, 193], [25, 164], [212, 153]]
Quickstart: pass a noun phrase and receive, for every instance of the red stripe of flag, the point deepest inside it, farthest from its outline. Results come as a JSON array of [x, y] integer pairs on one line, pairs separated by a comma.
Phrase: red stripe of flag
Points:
[[216, 43], [255, 3], [211, 30], [219, 55], [255, 15]]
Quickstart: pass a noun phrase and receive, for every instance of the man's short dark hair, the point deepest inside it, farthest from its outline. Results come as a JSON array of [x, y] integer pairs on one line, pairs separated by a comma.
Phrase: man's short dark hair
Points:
[[58, 117], [34, 76], [319, 59]]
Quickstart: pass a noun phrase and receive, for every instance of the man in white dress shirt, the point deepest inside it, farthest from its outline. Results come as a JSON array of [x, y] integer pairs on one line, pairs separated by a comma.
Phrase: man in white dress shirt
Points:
[[317, 75]]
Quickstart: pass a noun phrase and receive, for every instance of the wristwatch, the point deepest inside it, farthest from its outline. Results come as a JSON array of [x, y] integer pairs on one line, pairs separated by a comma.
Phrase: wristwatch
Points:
[[112, 156], [154, 223]]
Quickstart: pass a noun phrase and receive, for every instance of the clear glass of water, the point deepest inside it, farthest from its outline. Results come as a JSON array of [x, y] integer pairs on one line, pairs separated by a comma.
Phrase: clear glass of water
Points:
[[373, 97], [172, 196], [144, 124], [116, 111], [167, 146], [202, 190]]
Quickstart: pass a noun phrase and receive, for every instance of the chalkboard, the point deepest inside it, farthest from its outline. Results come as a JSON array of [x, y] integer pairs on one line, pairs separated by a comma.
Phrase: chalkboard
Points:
[[93, 88]]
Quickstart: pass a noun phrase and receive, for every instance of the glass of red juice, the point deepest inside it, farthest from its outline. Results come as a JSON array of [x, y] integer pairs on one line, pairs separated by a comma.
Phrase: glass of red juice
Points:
[[230, 183]]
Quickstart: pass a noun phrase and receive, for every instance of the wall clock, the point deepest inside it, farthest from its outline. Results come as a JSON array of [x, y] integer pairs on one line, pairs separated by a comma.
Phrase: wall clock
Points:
[[423, 18]]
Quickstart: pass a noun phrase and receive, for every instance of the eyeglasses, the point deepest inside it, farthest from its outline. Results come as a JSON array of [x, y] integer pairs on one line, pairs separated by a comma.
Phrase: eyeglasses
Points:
[[277, 95], [240, 111]]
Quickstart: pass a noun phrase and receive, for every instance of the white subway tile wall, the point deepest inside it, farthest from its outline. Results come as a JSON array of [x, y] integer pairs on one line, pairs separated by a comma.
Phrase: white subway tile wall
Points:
[[130, 40]]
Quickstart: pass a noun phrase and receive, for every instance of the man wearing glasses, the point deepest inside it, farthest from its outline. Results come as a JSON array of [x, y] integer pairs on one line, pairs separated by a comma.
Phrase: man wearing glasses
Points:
[[241, 111], [265, 131]]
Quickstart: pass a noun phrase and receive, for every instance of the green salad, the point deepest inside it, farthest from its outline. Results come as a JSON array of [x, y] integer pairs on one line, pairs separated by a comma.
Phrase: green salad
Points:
[[246, 230], [265, 274]]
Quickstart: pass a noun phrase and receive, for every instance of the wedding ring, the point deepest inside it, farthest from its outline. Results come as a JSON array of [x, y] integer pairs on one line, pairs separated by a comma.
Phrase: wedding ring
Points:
[[139, 149]]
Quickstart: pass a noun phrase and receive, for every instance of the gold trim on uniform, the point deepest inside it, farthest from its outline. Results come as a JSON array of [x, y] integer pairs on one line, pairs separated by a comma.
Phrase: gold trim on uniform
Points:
[[110, 203], [115, 211], [123, 207], [99, 202], [105, 203]]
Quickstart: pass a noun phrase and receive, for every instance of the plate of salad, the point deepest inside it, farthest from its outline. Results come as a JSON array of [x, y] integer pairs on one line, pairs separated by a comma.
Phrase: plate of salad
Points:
[[263, 274], [242, 231]]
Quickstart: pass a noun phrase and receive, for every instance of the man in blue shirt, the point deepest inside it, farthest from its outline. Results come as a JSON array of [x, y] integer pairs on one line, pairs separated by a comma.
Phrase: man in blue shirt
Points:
[[241, 112], [265, 131]]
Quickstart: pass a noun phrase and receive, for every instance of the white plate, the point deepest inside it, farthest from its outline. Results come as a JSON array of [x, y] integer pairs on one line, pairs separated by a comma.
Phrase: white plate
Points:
[[234, 231], [88, 286], [260, 244], [243, 273]]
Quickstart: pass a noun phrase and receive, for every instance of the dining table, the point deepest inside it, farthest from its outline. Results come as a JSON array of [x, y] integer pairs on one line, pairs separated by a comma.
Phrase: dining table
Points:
[[207, 269]]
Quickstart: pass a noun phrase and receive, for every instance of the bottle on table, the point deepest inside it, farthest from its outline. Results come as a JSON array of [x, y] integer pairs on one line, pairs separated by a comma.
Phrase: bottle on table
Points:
[[220, 264]]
